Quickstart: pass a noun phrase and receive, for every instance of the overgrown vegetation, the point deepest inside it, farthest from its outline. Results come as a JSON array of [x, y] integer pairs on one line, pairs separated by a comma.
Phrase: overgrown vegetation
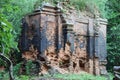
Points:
[[7, 37], [81, 76], [89, 5], [7, 40], [12, 12], [113, 35], [15, 10]]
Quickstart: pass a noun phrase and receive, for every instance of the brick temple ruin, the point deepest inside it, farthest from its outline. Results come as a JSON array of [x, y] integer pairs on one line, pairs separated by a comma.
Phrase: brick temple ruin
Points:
[[63, 41]]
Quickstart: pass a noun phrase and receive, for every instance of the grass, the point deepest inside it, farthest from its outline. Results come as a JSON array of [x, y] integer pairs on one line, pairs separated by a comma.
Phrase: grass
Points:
[[81, 76]]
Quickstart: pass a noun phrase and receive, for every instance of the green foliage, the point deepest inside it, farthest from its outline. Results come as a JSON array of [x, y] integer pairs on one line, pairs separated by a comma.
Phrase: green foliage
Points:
[[28, 67], [2, 63], [2, 74], [15, 10], [5, 76], [80, 76], [7, 39], [91, 6], [79, 4], [10, 23], [22, 77], [16, 69], [113, 37]]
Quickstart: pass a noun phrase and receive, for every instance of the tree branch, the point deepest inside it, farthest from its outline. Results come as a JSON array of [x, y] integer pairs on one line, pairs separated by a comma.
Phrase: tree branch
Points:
[[10, 66]]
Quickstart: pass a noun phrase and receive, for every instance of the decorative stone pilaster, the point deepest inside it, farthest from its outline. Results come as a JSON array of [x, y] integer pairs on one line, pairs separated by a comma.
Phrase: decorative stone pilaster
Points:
[[68, 34], [100, 52]]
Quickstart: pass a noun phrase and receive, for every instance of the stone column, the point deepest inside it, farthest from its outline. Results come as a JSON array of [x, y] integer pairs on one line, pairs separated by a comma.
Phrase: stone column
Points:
[[101, 52], [90, 47], [68, 35]]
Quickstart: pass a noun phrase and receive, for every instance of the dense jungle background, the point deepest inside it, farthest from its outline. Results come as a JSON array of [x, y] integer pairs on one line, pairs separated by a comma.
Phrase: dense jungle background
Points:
[[12, 11]]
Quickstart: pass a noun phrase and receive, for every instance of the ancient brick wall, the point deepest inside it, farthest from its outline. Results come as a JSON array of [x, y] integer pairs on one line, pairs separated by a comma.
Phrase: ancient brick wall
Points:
[[63, 41]]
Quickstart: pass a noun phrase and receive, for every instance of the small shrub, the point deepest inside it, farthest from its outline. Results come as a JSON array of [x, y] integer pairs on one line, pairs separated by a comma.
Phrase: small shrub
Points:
[[28, 67], [16, 69]]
